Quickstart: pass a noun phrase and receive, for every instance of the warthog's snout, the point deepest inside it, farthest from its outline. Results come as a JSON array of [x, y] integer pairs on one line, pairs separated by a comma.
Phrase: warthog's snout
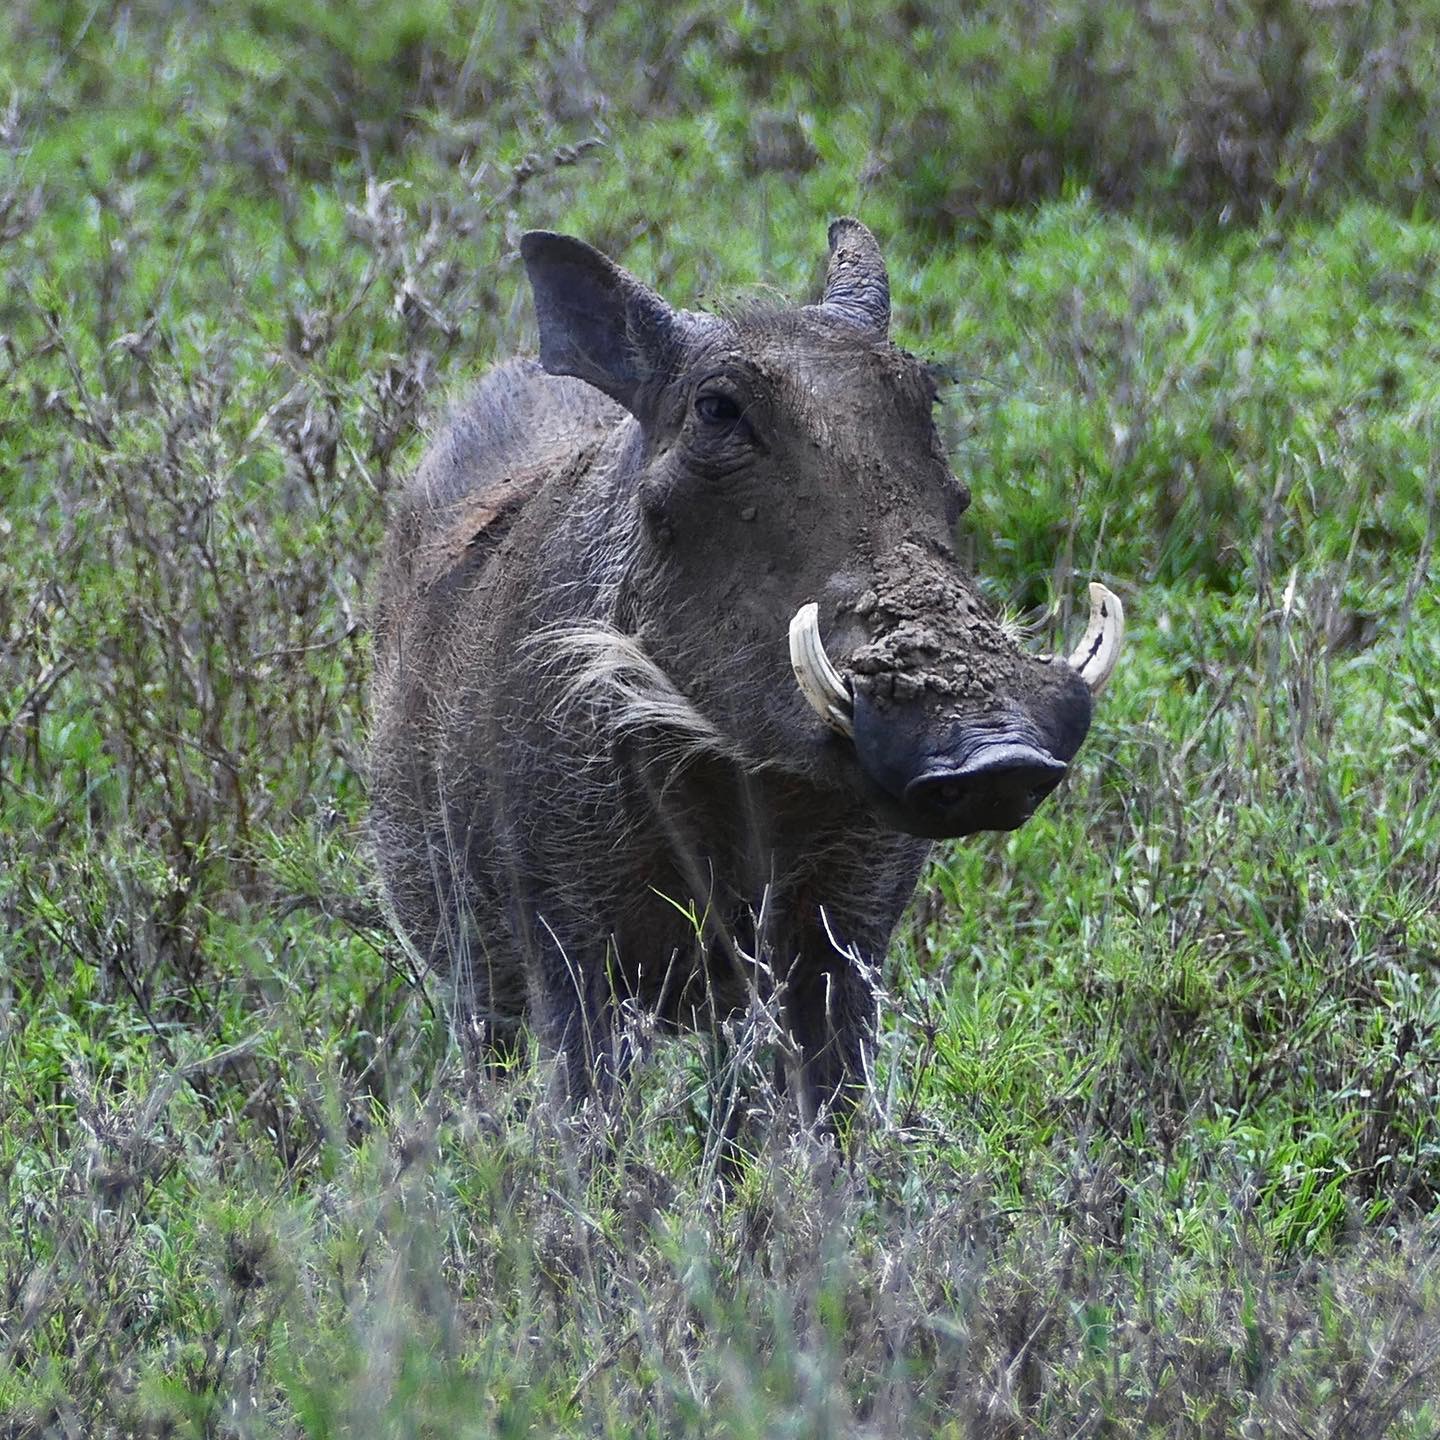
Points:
[[996, 788], [973, 776], [942, 773]]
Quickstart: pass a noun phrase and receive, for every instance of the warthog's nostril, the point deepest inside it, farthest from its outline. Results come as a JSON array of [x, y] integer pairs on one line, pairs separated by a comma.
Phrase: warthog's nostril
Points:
[[1001, 784]]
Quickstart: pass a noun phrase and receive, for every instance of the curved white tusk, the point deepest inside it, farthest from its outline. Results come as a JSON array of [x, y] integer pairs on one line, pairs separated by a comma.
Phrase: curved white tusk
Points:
[[1095, 656], [827, 693]]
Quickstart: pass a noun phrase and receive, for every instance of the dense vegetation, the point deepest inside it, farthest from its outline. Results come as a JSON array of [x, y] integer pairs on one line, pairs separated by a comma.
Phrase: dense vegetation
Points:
[[1155, 1147]]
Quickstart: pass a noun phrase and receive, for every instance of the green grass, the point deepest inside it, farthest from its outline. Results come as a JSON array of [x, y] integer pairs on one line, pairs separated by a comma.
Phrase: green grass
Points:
[[1155, 1141]]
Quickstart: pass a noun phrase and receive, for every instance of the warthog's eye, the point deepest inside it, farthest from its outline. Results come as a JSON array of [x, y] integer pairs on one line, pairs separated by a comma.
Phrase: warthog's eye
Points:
[[715, 407]]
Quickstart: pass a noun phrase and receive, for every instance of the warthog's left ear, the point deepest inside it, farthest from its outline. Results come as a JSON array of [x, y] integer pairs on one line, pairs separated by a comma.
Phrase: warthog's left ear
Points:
[[597, 321]]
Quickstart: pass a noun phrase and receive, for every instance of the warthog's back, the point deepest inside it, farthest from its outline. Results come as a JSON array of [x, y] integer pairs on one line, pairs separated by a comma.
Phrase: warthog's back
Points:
[[518, 431], [515, 430]]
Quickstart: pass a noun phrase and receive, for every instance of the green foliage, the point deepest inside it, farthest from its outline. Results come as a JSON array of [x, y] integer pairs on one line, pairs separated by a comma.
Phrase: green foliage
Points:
[[1155, 1140]]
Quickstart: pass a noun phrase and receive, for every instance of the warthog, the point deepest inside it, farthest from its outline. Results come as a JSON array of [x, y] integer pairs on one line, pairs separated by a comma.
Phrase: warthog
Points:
[[600, 773]]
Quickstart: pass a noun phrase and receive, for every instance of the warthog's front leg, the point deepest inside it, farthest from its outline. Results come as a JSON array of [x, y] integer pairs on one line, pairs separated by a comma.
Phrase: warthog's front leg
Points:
[[575, 1016], [828, 1006]]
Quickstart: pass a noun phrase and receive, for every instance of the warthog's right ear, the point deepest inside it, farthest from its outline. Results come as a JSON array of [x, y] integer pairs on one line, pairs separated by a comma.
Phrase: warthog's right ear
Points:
[[597, 322]]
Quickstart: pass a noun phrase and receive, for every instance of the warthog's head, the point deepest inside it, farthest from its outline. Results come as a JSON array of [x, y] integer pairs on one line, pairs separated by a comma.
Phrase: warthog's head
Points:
[[789, 480]]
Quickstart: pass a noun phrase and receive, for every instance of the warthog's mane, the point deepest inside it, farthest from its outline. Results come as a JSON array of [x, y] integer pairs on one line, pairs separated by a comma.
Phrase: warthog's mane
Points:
[[611, 675], [608, 681], [806, 334], [604, 677]]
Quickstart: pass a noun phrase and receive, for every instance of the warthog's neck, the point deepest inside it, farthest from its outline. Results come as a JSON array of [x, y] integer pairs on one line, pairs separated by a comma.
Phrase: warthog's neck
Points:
[[587, 539]]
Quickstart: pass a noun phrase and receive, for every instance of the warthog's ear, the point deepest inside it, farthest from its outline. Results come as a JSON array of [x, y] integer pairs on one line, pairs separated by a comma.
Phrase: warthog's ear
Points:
[[597, 322], [857, 286]]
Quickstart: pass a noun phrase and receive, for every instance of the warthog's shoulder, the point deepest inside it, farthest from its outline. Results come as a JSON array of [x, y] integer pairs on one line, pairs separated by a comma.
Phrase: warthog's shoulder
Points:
[[469, 530], [517, 421], [512, 434]]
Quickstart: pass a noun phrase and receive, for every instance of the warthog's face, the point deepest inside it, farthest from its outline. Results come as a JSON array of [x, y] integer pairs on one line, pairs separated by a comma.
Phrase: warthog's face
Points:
[[791, 483]]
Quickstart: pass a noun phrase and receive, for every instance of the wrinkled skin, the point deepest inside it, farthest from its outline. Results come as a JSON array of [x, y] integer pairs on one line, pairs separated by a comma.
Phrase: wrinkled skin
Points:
[[585, 719]]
